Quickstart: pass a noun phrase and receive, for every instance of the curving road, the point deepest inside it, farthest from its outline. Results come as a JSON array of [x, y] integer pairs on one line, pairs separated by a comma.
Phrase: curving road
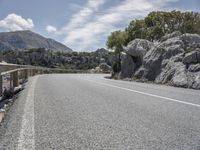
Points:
[[80, 111]]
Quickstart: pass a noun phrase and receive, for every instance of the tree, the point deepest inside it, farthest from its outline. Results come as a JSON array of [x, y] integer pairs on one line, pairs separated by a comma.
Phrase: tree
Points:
[[116, 41], [137, 29], [197, 24], [159, 23]]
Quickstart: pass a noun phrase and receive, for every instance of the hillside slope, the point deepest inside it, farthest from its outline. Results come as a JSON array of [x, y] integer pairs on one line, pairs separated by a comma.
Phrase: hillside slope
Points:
[[65, 60]]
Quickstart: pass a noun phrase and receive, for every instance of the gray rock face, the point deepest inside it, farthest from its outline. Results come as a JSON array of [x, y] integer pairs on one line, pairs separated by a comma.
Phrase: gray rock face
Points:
[[152, 64], [141, 73], [174, 61], [190, 39], [157, 57], [172, 35], [192, 57], [196, 80], [194, 68], [174, 74], [180, 78], [19, 40]]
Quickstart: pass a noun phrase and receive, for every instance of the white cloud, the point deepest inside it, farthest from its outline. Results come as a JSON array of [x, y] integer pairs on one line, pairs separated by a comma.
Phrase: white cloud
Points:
[[84, 15], [51, 29], [89, 26], [15, 22]]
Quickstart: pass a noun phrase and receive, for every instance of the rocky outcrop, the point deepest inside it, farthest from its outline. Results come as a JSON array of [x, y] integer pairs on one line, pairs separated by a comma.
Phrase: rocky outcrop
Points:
[[175, 60], [158, 57]]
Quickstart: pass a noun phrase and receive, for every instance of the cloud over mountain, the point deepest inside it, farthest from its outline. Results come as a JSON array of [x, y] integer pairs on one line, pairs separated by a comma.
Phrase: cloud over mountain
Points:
[[14, 22]]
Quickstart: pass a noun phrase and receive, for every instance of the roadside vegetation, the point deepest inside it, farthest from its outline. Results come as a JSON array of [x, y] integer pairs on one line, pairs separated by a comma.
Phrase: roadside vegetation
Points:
[[62, 60]]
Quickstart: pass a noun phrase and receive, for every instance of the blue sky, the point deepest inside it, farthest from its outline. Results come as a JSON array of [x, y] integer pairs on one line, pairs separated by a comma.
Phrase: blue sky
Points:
[[83, 25]]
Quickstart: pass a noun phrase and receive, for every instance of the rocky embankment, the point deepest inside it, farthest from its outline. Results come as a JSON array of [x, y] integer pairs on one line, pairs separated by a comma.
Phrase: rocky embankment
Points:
[[174, 60]]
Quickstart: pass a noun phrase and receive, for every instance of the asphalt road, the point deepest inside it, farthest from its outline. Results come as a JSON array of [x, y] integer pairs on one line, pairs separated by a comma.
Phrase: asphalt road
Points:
[[67, 111]]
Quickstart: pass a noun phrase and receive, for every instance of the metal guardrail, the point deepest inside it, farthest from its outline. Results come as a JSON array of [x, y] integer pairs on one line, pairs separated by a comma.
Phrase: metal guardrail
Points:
[[12, 75]]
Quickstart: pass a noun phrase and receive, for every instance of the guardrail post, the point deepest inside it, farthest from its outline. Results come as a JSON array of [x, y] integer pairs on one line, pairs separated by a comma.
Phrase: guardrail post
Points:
[[22, 72], [1, 56], [11, 80], [1, 85], [30, 72], [26, 73], [15, 79], [34, 72]]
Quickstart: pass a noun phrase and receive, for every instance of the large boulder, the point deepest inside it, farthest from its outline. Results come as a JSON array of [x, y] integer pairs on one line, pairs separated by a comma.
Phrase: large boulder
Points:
[[135, 52], [102, 68], [105, 67], [138, 48], [153, 60]]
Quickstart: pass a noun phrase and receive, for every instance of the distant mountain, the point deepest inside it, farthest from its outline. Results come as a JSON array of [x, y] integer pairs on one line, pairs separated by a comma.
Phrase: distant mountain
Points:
[[19, 40], [101, 51]]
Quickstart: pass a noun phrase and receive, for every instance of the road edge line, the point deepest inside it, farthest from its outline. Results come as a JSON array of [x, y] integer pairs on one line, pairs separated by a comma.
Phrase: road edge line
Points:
[[27, 132], [148, 94]]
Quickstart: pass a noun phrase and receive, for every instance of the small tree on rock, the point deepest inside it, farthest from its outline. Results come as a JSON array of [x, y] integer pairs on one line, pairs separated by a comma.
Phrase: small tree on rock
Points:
[[116, 41]]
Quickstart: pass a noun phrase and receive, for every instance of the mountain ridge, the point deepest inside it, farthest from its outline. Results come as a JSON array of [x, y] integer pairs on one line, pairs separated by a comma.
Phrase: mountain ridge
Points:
[[26, 39]]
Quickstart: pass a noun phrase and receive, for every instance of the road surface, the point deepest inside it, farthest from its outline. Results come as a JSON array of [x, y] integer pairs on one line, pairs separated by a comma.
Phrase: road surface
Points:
[[80, 111]]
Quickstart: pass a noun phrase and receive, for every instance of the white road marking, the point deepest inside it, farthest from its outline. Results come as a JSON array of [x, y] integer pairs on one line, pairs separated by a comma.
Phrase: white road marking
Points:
[[147, 94], [26, 139], [146, 84]]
